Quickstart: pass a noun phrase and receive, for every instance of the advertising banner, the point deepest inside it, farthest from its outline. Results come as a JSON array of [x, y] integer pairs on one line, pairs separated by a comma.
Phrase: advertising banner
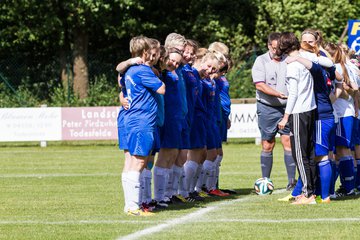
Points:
[[354, 35], [89, 123], [94, 123], [30, 124], [243, 119]]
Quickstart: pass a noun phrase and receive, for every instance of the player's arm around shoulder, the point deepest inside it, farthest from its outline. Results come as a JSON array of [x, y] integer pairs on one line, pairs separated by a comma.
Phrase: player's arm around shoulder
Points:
[[161, 90], [151, 81]]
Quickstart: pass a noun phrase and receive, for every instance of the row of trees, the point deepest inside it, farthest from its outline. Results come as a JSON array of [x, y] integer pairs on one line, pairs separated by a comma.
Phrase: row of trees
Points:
[[41, 34]]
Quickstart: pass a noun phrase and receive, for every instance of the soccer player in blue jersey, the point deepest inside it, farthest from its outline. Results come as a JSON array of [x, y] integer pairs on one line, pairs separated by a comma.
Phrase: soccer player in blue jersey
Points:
[[146, 174], [191, 88], [223, 88], [136, 50], [163, 170], [213, 141], [345, 109], [140, 120], [122, 136], [170, 132], [203, 67]]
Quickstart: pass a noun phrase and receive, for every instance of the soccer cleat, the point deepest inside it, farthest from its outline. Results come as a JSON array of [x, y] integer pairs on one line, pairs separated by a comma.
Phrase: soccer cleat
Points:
[[357, 192], [302, 200], [203, 194], [158, 205], [152, 203], [190, 199], [147, 208], [229, 191], [167, 200], [196, 196], [139, 212], [341, 192], [178, 199], [217, 192], [288, 198], [326, 200], [333, 196], [162, 204]]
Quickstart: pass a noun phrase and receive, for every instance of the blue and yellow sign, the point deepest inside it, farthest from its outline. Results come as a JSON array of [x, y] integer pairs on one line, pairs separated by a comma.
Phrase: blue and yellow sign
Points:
[[354, 35]]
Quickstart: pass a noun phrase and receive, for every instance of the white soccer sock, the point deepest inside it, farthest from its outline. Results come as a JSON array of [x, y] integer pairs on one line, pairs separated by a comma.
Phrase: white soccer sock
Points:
[[142, 187], [211, 180], [217, 168], [159, 183], [169, 183], [147, 193], [177, 171], [190, 169], [133, 183], [209, 174], [182, 184], [125, 189], [199, 178]]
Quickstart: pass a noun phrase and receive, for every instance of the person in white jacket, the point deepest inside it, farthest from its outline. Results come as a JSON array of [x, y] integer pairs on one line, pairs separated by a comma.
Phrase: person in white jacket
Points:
[[300, 113]]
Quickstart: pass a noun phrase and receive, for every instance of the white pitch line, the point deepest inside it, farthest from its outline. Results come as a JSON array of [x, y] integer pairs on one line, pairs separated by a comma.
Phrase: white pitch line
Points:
[[185, 219], [89, 222], [302, 220], [194, 217], [167, 224]]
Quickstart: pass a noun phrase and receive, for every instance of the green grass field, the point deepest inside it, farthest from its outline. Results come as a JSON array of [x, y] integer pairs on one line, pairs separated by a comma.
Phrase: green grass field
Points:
[[73, 191]]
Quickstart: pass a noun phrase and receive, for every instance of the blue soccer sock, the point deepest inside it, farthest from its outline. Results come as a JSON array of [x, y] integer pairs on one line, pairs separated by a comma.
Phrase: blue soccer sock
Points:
[[266, 160], [334, 176], [325, 173], [298, 188], [290, 166], [318, 181], [346, 168], [357, 184]]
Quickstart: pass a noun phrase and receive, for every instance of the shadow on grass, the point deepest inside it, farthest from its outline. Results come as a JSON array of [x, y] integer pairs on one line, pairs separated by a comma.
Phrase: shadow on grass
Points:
[[346, 198], [211, 199]]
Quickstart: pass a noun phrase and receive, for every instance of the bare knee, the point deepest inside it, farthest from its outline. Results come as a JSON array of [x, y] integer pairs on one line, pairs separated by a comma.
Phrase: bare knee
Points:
[[268, 145], [285, 141]]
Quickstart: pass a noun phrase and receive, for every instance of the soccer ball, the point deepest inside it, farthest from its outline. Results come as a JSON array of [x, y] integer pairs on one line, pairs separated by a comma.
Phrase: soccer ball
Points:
[[263, 186]]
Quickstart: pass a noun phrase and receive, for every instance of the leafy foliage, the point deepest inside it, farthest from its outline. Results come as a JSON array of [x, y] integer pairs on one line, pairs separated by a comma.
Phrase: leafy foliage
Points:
[[36, 37]]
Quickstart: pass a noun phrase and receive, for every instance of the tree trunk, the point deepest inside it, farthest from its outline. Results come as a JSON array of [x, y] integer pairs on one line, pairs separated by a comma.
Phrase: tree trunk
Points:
[[64, 71], [81, 73]]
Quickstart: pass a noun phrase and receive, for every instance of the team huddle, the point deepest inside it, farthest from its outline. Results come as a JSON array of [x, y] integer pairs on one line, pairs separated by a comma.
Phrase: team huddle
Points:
[[311, 91], [175, 102]]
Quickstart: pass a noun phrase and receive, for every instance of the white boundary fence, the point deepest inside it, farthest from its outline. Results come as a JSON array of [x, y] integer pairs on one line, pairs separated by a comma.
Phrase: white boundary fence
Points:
[[94, 123]]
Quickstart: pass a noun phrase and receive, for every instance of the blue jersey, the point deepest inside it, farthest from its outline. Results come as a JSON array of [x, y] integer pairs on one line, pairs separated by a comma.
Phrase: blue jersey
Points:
[[192, 90], [199, 108], [122, 110], [140, 82], [209, 98], [182, 90], [217, 103], [161, 109], [322, 88], [172, 97], [225, 100]]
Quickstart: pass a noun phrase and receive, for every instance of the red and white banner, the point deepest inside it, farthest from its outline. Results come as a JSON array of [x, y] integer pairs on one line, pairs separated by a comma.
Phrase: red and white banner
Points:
[[94, 123], [89, 123]]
